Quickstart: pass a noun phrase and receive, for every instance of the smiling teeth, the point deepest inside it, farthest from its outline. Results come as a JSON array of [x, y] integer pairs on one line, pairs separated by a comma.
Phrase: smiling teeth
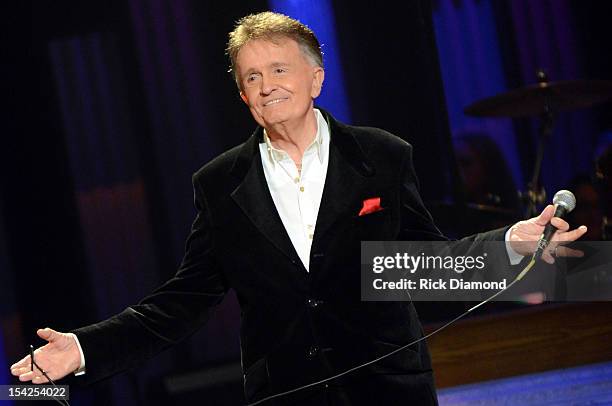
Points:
[[274, 101]]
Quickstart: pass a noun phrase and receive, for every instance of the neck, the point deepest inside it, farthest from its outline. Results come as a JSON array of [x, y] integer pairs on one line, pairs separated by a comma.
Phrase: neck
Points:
[[294, 138]]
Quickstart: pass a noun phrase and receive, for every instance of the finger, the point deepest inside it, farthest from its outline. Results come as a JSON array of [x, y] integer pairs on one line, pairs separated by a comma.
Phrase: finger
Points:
[[545, 216], [547, 256], [47, 334], [39, 379], [569, 252], [570, 235], [18, 371], [560, 224], [28, 376], [25, 361]]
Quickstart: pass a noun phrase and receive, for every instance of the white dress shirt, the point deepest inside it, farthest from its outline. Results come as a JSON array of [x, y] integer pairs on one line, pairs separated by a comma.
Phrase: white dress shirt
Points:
[[297, 194]]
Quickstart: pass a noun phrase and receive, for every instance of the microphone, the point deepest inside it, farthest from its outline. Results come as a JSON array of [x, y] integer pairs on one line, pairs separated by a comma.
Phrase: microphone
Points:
[[564, 202]]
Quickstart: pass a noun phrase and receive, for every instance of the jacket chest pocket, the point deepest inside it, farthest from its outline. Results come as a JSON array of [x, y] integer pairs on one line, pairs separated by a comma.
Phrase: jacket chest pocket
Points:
[[374, 226]]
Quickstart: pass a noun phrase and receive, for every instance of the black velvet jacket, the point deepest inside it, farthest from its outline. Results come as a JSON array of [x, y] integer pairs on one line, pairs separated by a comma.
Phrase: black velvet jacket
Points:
[[297, 326]]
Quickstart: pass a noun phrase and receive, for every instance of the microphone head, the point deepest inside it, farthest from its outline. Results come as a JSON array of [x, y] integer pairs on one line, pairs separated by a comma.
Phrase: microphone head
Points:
[[565, 199]]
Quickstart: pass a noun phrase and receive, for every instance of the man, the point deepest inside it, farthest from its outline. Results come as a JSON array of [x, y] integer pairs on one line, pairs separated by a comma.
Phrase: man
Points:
[[278, 222]]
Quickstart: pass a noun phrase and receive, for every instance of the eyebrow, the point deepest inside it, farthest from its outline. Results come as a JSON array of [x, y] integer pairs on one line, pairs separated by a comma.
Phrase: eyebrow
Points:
[[272, 65]]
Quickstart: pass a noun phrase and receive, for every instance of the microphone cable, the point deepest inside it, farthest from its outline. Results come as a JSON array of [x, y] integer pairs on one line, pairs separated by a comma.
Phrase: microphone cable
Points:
[[34, 364], [322, 381]]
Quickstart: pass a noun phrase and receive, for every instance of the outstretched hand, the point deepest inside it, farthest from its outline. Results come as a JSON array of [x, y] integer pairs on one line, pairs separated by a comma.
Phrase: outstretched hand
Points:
[[525, 234], [58, 358]]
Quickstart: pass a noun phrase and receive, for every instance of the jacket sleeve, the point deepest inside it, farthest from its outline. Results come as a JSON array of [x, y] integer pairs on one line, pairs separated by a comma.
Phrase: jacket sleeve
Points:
[[417, 224], [169, 314]]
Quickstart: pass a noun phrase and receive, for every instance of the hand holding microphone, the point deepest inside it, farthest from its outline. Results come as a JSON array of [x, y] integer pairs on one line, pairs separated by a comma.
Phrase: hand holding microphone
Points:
[[540, 236], [564, 202]]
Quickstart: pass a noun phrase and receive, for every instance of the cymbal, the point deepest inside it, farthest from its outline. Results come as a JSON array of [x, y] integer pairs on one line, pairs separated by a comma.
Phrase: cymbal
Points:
[[470, 218], [472, 208], [531, 100]]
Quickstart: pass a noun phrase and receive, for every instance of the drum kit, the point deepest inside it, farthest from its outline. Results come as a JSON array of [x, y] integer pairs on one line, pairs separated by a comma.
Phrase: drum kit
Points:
[[544, 101]]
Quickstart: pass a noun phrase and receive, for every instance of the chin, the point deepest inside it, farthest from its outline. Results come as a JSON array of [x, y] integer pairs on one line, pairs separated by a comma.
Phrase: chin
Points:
[[272, 119]]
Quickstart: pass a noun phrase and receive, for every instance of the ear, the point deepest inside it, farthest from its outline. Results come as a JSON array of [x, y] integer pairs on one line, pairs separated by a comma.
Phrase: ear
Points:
[[317, 83], [244, 98]]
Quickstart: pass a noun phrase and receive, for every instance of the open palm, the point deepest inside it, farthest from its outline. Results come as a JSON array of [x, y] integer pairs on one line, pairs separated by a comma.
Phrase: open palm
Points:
[[58, 358]]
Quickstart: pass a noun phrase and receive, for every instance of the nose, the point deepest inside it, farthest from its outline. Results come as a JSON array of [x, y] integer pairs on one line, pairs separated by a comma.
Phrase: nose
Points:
[[268, 85]]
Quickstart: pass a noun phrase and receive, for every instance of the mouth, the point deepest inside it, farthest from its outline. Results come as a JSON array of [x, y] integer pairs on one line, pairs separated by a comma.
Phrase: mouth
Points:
[[274, 101]]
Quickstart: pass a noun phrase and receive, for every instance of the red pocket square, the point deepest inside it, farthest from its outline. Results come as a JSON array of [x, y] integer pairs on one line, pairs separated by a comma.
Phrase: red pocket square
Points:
[[370, 206]]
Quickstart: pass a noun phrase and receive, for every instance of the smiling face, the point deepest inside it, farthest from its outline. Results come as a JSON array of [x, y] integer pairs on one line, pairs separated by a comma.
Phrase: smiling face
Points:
[[278, 82]]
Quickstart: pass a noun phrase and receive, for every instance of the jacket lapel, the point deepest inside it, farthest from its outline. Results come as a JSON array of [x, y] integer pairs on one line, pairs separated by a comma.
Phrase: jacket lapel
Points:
[[346, 173], [254, 198]]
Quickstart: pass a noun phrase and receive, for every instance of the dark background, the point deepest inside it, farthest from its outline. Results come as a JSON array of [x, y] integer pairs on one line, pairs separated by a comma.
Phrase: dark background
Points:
[[111, 105]]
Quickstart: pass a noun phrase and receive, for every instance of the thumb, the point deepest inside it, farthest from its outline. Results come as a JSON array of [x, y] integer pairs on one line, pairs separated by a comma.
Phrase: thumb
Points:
[[47, 334], [546, 215]]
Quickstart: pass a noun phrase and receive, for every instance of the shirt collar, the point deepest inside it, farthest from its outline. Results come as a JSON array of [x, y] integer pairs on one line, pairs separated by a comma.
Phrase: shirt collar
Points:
[[275, 155]]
